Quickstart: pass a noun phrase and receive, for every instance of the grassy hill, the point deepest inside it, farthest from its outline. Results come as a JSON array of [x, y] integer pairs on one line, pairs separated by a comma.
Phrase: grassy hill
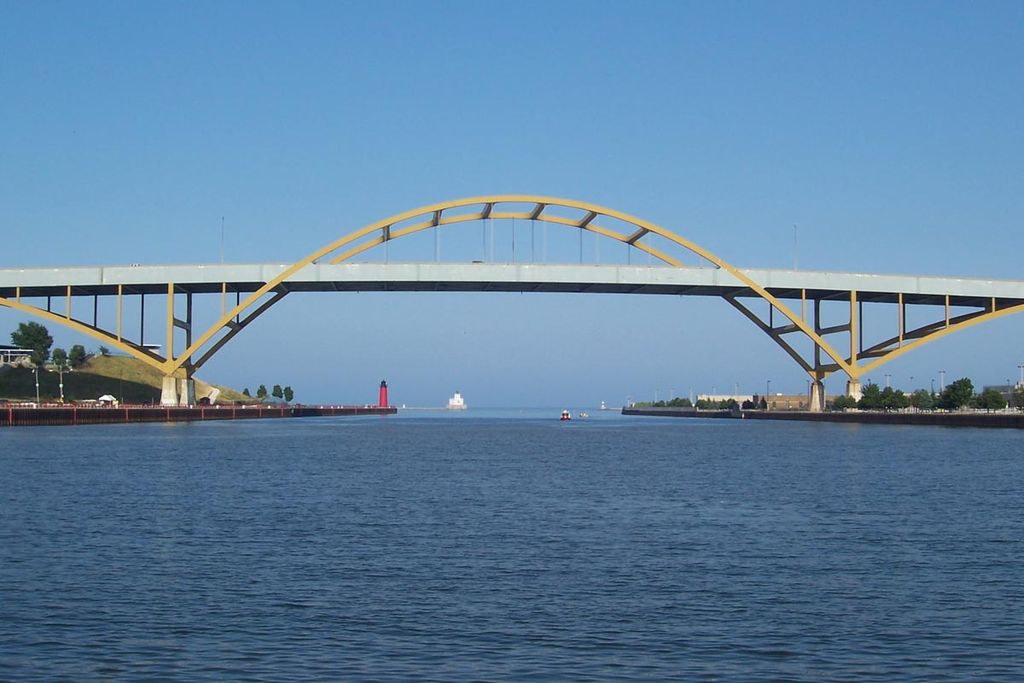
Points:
[[123, 377]]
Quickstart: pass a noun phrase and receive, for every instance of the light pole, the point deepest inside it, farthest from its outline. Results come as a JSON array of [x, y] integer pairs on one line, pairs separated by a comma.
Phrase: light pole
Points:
[[911, 383], [942, 380], [37, 385], [1021, 368], [767, 393], [933, 386], [60, 374]]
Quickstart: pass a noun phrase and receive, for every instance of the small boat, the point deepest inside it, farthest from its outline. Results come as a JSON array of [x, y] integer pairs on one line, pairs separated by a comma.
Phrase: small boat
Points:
[[584, 414], [565, 416]]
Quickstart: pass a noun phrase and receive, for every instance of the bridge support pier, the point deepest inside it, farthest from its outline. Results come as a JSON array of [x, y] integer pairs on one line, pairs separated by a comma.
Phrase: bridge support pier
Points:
[[816, 399], [169, 392], [188, 392], [853, 389]]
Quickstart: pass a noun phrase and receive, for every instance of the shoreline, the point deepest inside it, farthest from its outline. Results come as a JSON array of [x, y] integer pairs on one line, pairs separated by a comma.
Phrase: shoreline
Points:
[[1004, 420], [22, 416]]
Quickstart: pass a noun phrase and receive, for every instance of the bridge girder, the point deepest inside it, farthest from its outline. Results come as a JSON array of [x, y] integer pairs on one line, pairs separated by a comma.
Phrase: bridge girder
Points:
[[539, 208]]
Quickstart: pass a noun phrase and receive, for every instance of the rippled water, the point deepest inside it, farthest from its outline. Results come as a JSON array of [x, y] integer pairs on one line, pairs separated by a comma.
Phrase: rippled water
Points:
[[511, 548]]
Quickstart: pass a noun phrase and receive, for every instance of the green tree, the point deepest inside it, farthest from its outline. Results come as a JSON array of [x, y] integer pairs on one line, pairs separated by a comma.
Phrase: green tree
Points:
[[245, 392], [76, 357], [844, 403], [288, 394], [902, 401], [104, 351], [277, 392], [871, 398], [922, 399], [957, 394], [59, 357], [991, 399], [36, 337], [1017, 398], [888, 398], [894, 399], [261, 392]]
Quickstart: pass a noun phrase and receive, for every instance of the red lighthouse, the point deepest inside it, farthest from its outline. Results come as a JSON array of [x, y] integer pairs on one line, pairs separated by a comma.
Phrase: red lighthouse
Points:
[[383, 402]]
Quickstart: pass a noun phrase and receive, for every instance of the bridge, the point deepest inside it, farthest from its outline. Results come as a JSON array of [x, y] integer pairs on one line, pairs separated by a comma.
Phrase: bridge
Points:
[[785, 304]]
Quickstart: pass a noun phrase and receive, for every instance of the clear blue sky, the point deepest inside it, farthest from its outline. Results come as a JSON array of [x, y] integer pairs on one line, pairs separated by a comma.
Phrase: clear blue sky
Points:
[[891, 134]]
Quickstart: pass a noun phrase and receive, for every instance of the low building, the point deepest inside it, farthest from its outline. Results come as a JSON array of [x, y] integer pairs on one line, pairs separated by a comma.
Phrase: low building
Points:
[[793, 401], [1005, 390], [13, 354], [719, 398]]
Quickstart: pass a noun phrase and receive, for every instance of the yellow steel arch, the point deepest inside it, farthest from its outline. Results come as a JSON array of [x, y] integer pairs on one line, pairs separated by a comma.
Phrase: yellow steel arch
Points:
[[436, 215], [145, 356], [969, 321], [352, 247]]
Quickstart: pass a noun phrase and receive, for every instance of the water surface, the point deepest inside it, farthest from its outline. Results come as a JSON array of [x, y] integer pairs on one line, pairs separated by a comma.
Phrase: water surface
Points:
[[509, 546]]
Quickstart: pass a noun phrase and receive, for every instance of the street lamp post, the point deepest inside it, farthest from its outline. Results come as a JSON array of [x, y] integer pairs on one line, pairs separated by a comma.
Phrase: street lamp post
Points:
[[60, 375], [37, 385], [767, 393]]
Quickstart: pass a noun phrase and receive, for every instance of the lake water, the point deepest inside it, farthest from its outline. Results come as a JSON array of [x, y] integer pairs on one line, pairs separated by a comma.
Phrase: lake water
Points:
[[508, 546]]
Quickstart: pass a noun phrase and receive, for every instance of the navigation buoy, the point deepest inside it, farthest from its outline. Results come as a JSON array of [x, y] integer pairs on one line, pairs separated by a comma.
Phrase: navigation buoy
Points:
[[566, 416]]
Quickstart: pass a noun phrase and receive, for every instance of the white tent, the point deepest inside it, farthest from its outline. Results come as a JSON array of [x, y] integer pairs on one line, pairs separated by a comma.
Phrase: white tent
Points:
[[107, 398]]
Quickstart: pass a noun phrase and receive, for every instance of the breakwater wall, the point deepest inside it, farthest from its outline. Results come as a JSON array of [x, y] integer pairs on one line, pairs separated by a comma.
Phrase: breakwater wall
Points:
[[959, 419], [17, 416], [679, 412]]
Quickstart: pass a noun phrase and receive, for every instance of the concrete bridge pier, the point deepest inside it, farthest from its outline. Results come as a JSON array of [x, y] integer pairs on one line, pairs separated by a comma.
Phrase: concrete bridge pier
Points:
[[853, 389], [816, 398], [187, 397], [176, 391], [169, 392]]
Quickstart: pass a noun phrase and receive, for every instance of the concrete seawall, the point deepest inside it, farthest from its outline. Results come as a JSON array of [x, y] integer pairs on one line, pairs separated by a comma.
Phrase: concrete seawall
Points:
[[679, 412], [15, 416], [966, 419]]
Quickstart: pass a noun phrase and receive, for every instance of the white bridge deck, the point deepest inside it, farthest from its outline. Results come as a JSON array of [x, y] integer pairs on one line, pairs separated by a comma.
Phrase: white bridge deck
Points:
[[503, 277]]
